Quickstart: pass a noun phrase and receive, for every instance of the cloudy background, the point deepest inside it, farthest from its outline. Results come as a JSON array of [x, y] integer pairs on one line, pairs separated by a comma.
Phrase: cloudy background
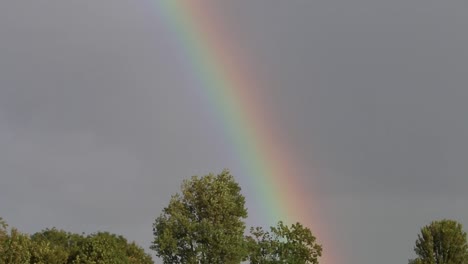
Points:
[[99, 120]]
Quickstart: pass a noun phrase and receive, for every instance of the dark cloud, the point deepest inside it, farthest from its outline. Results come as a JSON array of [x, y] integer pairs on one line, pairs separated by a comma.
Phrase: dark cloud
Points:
[[100, 118]]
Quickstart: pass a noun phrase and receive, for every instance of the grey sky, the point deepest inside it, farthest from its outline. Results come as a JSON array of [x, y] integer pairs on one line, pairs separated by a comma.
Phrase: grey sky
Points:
[[99, 119]]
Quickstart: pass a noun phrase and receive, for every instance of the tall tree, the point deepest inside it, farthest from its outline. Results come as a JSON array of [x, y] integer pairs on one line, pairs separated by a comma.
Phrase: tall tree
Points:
[[441, 242], [204, 223], [283, 244]]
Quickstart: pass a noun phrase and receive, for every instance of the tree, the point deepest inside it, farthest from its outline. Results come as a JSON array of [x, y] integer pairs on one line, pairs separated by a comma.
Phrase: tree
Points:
[[55, 245], [441, 242], [43, 252], [136, 255], [15, 247], [52, 246], [283, 244], [204, 224], [102, 247], [3, 236]]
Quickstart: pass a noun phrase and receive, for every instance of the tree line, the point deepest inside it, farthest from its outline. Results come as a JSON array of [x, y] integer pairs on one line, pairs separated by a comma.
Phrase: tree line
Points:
[[53, 246], [205, 224]]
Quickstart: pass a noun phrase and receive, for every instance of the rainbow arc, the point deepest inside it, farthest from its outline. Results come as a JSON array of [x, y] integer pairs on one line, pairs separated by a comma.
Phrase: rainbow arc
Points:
[[269, 166]]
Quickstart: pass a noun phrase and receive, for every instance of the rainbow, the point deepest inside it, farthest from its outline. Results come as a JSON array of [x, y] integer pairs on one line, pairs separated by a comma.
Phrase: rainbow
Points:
[[269, 166]]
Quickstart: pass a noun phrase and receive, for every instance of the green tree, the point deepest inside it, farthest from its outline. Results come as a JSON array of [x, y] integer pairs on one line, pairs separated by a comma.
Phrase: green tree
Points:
[[3, 236], [107, 248], [204, 224], [15, 247], [103, 248], [54, 245], [441, 242], [293, 244], [136, 255], [42, 252]]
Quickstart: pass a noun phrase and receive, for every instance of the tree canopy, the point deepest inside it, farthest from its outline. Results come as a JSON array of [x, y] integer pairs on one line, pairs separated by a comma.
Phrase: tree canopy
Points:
[[204, 223], [441, 242], [283, 244], [52, 246]]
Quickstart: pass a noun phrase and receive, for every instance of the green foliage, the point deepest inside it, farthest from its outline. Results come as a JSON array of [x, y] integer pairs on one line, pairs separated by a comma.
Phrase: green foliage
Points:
[[441, 242], [3, 237], [283, 244], [415, 261], [204, 224], [107, 248], [42, 252], [15, 248], [52, 246], [260, 246], [136, 255], [60, 243], [102, 248]]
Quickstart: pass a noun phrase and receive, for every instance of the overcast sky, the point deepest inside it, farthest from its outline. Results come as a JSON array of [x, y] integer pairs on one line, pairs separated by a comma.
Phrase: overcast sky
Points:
[[99, 121]]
